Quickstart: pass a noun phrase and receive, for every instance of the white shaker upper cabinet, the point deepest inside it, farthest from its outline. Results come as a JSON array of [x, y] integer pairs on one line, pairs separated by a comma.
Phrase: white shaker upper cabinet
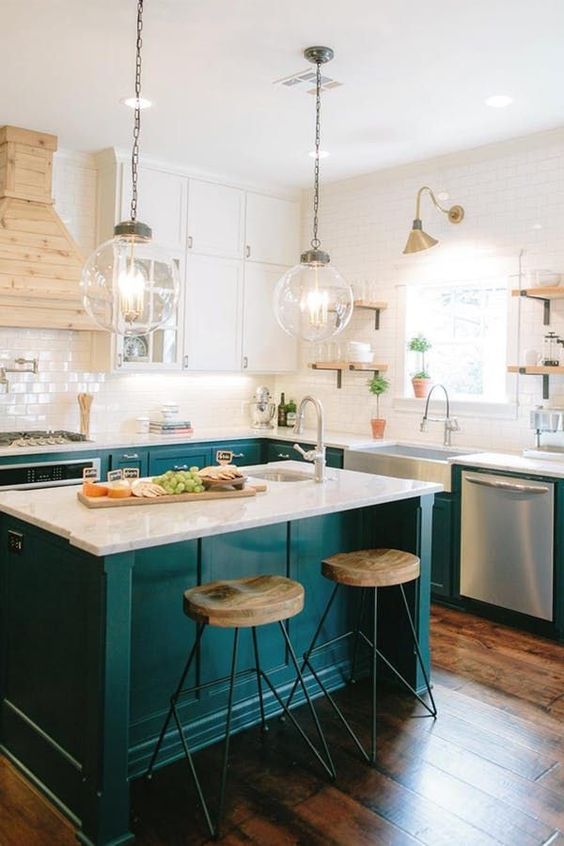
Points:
[[216, 219], [212, 327], [273, 229], [266, 347], [161, 205]]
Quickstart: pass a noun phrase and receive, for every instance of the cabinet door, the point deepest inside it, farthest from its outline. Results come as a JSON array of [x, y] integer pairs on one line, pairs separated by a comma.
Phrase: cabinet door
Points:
[[442, 548], [162, 203], [216, 219], [283, 451], [178, 458], [266, 347], [273, 229], [213, 314], [244, 452], [131, 458]]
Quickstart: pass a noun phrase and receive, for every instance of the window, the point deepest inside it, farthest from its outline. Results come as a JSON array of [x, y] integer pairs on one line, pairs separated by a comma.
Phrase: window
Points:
[[467, 327]]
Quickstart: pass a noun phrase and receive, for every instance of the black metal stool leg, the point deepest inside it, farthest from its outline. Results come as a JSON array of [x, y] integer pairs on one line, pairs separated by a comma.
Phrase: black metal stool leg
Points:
[[259, 681], [356, 634], [300, 678], [227, 735], [174, 698], [310, 648], [374, 678], [433, 710]]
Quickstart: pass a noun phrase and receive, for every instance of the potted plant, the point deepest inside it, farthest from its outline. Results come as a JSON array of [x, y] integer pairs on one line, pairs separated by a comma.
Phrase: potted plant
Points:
[[378, 386], [421, 380]]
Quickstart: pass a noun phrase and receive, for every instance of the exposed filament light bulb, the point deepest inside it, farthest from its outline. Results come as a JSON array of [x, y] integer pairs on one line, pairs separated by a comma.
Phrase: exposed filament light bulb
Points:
[[316, 303], [131, 292]]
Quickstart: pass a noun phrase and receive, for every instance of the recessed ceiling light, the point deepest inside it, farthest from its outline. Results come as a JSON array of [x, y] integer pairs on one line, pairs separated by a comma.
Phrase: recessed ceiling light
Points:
[[132, 102], [498, 101], [323, 154]]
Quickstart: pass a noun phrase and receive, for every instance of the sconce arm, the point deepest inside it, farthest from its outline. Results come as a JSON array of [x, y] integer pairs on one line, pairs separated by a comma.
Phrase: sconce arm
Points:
[[433, 198]]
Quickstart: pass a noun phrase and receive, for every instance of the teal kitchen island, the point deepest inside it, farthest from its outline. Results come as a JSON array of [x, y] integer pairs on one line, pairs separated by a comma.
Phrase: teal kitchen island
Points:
[[94, 635]]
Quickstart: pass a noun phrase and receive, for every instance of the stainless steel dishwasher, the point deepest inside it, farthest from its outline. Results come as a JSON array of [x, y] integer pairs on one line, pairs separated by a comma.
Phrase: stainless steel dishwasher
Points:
[[507, 543]]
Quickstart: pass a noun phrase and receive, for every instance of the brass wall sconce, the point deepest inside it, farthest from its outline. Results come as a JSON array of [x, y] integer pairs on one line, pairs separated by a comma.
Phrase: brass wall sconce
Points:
[[418, 239]]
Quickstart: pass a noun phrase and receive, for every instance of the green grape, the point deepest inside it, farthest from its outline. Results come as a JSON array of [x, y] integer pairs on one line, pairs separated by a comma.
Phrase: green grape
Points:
[[180, 488], [194, 469]]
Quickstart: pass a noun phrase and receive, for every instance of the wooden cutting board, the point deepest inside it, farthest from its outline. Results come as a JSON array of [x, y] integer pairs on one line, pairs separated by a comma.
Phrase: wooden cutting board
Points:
[[109, 502]]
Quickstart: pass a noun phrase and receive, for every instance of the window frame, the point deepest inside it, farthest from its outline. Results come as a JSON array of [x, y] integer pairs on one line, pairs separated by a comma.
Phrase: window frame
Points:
[[467, 407]]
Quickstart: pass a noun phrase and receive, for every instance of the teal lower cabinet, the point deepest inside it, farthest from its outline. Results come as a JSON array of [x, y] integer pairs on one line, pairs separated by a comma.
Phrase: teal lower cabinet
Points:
[[136, 458], [442, 560], [244, 452], [180, 457], [91, 647], [283, 451]]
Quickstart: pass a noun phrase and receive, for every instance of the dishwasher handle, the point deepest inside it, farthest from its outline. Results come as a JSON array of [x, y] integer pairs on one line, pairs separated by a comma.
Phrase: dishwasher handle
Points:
[[507, 486]]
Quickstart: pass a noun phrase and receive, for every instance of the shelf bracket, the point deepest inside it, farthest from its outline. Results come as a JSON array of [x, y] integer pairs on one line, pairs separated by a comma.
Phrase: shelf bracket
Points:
[[338, 371], [377, 319], [545, 381], [546, 307]]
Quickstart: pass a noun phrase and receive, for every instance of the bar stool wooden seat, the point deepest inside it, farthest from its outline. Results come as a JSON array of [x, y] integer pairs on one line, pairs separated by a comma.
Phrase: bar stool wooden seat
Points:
[[241, 603], [369, 570]]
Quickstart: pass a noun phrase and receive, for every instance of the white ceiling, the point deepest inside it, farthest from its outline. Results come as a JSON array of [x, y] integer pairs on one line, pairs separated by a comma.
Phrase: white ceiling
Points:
[[415, 77]]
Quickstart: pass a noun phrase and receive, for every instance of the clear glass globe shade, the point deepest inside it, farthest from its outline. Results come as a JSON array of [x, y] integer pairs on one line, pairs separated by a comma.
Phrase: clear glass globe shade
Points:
[[313, 302], [130, 285]]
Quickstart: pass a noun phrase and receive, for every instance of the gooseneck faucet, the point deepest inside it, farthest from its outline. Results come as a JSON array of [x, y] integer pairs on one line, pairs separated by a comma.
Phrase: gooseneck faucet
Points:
[[316, 455], [450, 423]]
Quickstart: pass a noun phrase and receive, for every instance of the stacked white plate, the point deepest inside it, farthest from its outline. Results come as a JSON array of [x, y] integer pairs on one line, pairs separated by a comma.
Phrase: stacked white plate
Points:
[[360, 352]]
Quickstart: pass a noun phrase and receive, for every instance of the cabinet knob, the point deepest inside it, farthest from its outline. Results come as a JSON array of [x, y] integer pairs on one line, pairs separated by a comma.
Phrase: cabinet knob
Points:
[[247, 251], [245, 362], [190, 242]]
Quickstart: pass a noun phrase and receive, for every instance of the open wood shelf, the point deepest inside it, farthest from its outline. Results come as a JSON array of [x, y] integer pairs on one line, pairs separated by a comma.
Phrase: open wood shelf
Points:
[[538, 370], [545, 295], [372, 305], [339, 366]]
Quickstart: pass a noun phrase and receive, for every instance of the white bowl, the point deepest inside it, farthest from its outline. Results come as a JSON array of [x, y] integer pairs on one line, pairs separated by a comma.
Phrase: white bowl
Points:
[[544, 278]]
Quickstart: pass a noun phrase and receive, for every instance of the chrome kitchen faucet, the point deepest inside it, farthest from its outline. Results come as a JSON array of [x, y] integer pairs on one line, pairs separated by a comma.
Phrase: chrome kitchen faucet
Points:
[[450, 423], [316, 455]]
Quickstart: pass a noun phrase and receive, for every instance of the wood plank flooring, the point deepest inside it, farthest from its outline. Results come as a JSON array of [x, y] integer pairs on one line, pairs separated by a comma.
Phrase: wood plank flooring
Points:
[[489, 771]]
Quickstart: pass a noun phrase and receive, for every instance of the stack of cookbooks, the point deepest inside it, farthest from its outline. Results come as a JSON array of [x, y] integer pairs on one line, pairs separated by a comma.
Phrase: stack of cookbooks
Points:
[[171, 427]]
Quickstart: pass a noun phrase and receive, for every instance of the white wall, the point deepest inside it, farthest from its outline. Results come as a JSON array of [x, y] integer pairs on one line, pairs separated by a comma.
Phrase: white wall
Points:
[[48, 400], [513, 194]]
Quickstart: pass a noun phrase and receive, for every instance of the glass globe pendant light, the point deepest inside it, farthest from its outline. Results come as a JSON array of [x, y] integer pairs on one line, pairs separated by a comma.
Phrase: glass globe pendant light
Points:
[[312, 301], [129, 283]]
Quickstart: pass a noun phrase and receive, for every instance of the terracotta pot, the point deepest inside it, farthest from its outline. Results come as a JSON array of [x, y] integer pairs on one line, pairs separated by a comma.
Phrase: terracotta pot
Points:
[[378, 427], [421, 387]]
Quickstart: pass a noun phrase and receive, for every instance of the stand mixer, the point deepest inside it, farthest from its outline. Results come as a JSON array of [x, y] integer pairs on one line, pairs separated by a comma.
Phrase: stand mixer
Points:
[[262, 409]]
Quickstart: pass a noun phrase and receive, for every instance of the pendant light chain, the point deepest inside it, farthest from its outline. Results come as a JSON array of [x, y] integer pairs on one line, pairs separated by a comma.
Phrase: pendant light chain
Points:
[[137, 117], [315, 242]]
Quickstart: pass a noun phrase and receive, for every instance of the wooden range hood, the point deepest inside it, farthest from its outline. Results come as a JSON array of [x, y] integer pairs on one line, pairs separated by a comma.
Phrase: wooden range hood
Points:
[[40, 262]]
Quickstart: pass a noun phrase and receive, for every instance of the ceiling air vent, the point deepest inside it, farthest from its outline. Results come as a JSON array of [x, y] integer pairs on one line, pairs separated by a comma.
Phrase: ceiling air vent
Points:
[[305, 80]]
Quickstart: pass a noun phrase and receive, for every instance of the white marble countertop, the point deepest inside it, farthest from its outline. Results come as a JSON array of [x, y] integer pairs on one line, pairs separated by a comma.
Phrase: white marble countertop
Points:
[[341, 440], [512, 463], [110, 530]]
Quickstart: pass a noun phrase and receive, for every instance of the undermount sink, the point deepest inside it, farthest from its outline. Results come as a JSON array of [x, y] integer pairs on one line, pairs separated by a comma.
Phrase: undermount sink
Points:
[[424, 463], [283, 476]]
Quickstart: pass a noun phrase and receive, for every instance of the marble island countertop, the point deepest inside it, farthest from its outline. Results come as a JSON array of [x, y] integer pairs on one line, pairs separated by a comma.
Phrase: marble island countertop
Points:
[[340, 440], [110, 530]]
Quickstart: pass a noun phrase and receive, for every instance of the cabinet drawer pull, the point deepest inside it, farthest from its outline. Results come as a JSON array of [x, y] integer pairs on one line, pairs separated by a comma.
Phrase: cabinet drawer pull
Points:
[[185, 361], [247, 251], [283, 455], [130, 457], [119, 360], [180, 467], [238, 455], [245, 362], [190, 242]]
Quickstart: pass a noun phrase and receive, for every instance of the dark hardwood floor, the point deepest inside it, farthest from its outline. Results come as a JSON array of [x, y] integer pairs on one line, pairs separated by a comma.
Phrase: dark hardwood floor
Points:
[[489, 771]]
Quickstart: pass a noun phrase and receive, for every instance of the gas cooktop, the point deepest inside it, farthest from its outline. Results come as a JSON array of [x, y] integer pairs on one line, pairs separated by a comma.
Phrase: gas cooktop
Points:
[[39, 438]]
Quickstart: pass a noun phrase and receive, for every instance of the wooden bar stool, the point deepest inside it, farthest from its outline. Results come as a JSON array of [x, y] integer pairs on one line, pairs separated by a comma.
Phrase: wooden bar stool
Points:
[[368, 569], [241, 603]]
